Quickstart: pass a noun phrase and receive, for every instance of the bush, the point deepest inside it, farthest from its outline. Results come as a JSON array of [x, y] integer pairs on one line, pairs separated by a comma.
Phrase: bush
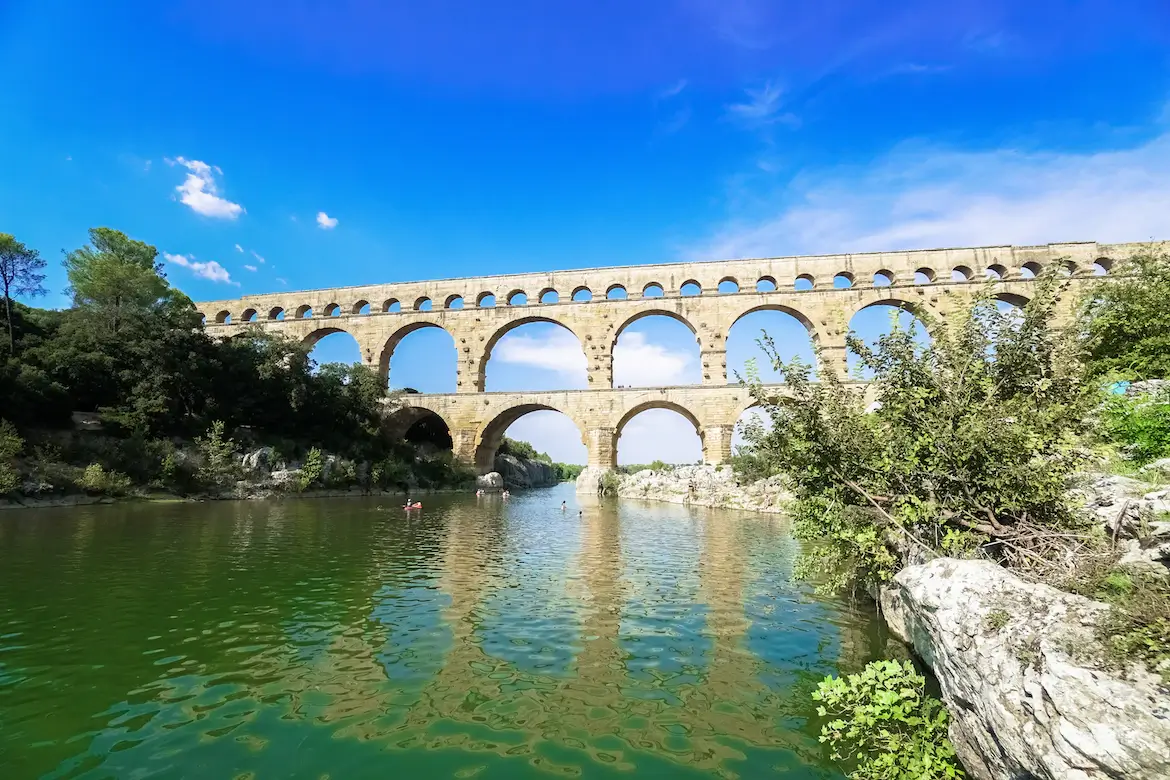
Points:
[[10, 446], [969, 449], [1141, 425], [310, 470], [390, 474], [608, 484], [884, 726], [1137, 628], [219, 468], [1125, 321], [98, 480]]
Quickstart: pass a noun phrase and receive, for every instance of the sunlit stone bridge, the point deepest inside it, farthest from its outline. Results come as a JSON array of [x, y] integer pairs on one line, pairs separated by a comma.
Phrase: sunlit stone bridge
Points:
[[596, 305]]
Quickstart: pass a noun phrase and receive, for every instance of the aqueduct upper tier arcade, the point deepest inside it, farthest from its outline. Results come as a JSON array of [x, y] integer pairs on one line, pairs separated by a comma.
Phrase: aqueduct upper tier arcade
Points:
[[822, 292]]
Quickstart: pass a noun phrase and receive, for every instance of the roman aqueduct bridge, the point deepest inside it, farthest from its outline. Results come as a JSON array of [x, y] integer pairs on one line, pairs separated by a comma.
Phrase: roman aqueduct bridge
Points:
[[822, 292]]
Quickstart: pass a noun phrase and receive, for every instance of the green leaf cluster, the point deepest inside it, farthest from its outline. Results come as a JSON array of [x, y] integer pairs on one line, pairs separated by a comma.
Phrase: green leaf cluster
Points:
[[1125, 319], [1140, 424], [10, 446], [884, 726]]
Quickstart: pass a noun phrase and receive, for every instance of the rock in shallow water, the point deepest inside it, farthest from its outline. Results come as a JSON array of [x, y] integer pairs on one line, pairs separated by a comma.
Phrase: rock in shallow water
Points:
[[1019, 670]]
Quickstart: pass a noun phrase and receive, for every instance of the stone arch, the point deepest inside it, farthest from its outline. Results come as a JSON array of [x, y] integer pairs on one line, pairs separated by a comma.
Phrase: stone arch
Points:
[[304, 311], [798, 315], [653, 290], [548, 295], [883, 278], [674, 315], [621, 429], [766, 284], [922, 317], [842, 280], [582, 294], [997, 271], [1032, 268], [657, 403], [249, 315], [333, 310], [224, 317], [358, 306], [490, 436], [276, 313], [611, 292], [694, 288], [736, 349], [962, 273], [407, 419], [732, 285], [453, 302], [1014, 299], [396, 339], [391, 305], [924, 275], [514, 296], [503, 330], [485, 300], [805, 282], [312, 337], [423, 303], [915, 308], [1102, 266]]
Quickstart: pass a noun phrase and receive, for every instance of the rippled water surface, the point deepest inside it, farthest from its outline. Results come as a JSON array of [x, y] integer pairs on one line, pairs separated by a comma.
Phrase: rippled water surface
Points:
[[476, 638]]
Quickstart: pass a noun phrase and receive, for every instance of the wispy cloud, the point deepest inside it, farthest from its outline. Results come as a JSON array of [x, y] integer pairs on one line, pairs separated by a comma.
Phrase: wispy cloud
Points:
[[558, 350], [326, 222], [923, 196], [200, 192], [762, 107], [239, 248], [282, 281], [677, 121], [251, 268], [672, 91], [211, 270], [916, 69], [638, 363], [256, 255]]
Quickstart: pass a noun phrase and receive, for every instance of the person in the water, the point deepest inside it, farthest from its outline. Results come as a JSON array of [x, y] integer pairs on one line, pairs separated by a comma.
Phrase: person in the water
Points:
[[564, 505]]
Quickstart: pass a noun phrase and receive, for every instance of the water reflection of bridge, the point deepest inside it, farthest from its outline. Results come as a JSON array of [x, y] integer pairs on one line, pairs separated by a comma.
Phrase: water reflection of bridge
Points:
[[479, 702]]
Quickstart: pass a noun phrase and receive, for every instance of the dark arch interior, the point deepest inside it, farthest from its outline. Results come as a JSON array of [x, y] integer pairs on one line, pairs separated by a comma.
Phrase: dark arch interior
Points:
[[429, 434]]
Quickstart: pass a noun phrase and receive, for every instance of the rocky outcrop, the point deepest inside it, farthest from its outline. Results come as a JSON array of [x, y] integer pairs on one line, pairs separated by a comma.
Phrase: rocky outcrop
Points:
[[524, 473], [713, 486], [1021, 672], [490, 481]]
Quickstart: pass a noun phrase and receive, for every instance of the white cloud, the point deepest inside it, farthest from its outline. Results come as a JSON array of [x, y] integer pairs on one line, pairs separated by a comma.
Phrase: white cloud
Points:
[[251, 268], [761, 108], [672, 90], [552, 433], [920, 196], [637, 363], [557, 350], [256, 255], [146, 166], [282, 281], [201, 193], [239, 248], [659, 434], [326, 222], [212, 271]]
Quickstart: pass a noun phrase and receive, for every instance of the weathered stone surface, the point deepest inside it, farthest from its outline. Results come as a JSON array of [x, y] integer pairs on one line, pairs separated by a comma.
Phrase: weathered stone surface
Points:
[[1020, 673], [714, 486], [1160, 467], [1119, 503], [490, 481], [260, 461], [524, 473]]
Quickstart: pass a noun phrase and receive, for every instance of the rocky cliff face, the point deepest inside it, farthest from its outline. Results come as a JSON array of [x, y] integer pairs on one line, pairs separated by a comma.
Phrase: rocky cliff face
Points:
[[712, 486], [523, 473], [1020, 670]]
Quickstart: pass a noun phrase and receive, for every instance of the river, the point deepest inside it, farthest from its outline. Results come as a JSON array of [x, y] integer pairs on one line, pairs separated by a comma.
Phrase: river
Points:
[[476, 638]]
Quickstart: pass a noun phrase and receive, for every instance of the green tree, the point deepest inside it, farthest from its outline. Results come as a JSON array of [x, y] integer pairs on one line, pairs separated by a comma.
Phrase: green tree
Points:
[[970, 446], [20, 274], [1125, 319], [115, 276]]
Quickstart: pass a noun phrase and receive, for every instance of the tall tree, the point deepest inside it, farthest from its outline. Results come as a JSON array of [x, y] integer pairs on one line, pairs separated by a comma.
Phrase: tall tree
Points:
[[20, 269], [115, 275]]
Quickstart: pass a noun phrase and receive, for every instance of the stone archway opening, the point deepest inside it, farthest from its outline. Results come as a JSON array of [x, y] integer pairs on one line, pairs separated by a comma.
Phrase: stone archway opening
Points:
[[549, 431], [534, 353], [793, 335], [420, 357], [332, 345], [879, 319], [656, 349], [754, 417], [661, 432]]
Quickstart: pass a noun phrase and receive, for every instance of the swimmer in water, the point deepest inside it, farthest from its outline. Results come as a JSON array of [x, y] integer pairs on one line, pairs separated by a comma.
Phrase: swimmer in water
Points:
[[564, 505]]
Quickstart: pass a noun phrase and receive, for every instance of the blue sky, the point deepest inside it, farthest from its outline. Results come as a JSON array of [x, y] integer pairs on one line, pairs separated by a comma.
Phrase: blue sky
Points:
[[351, 141]]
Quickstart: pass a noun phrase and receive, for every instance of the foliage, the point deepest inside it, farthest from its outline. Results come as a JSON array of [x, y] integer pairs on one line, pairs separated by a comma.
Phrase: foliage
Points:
[[968, 446], [20, 274], [114, 276], [219, 468], [567, 472], [884, 726], [1125, 320], [1138, 625], [311, 470], [1140, 424], [98, 480], [522, 449], [608, 484], [10, 446]]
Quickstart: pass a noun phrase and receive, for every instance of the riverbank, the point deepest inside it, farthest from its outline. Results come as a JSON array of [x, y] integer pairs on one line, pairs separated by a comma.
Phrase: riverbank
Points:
[[708, 486]]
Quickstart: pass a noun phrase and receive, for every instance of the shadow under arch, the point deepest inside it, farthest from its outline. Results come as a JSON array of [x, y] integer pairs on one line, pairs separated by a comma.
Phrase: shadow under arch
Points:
[[396, 339], [489, 439], [1013, 299], [503, 330], [419, 425]]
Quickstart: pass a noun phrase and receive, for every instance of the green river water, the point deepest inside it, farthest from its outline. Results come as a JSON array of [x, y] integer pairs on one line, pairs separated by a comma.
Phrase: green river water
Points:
[[344, 638]]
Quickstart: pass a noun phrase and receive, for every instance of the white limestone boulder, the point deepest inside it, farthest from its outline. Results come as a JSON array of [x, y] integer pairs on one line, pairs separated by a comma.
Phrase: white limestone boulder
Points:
[[1019, 667]]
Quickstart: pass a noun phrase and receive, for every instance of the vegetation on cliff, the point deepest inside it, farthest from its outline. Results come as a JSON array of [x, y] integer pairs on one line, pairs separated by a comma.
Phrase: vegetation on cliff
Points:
[[565, 472]]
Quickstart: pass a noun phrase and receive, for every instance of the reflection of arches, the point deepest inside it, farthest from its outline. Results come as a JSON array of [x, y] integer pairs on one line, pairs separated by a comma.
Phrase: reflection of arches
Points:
[[392, 305], [276, 313], [582, 295], [249, 315], [224, 317], [489, 439], [690, 287], [485, 300], [395, 340], [504, 330]]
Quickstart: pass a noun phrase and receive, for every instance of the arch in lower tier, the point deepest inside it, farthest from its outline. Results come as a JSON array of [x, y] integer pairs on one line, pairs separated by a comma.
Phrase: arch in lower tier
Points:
[[487, 442]]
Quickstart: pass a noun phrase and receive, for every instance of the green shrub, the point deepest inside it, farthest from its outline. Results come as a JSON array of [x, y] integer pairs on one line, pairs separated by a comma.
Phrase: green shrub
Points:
[[659, 465], [98, 480], [1137, 628], [390, 474], [10, 446], [608, 484], [219, 469], [884, 726], [310, 470], [1141, 425]]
